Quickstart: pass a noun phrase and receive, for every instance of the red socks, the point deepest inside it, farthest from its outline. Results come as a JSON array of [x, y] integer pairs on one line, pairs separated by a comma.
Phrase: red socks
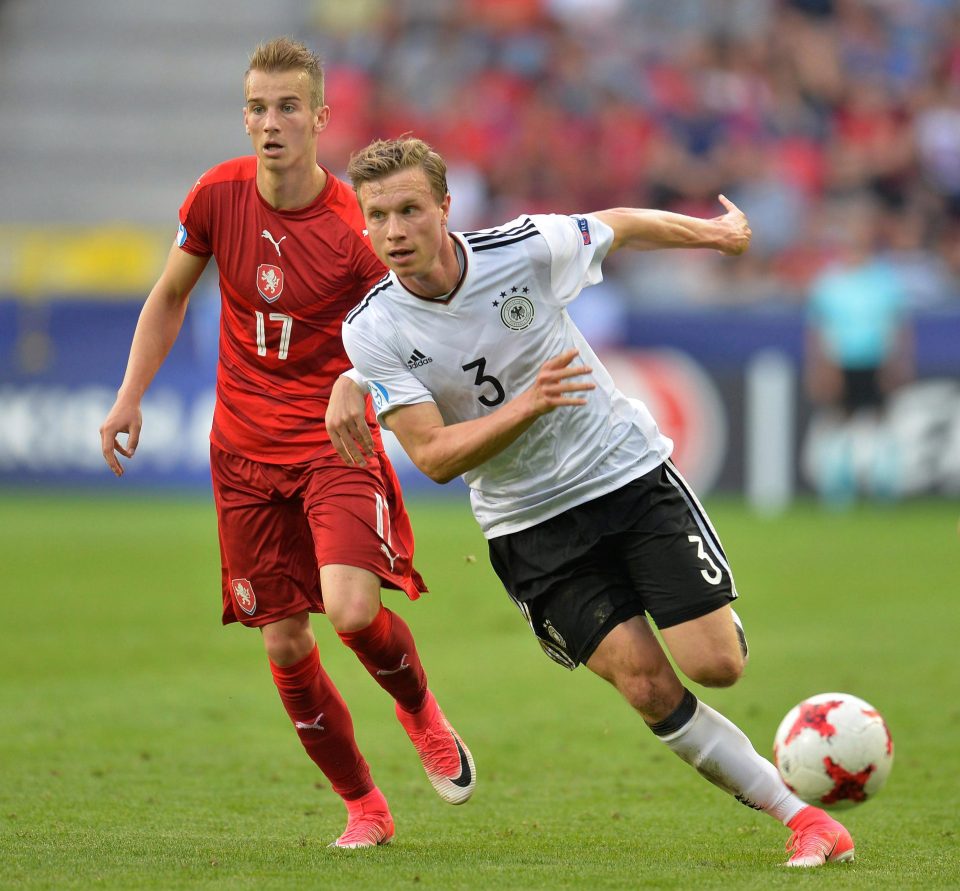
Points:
[[386, 649], [323, 724]]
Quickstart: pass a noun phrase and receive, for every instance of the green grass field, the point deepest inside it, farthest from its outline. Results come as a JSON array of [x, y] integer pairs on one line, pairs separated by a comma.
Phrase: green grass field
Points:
[[143, 746]]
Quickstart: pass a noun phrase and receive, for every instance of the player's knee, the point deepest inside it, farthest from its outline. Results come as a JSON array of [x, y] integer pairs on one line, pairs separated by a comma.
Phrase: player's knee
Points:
[[720, 670], [354, 615], [286, 645]]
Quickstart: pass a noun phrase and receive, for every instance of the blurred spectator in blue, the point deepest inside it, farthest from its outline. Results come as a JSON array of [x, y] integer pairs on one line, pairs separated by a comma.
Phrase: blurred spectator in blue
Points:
[[859, 349]]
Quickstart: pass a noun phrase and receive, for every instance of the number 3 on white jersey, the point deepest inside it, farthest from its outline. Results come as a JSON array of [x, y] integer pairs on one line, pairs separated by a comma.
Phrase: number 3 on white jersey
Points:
[[287, 325], [713, 577]]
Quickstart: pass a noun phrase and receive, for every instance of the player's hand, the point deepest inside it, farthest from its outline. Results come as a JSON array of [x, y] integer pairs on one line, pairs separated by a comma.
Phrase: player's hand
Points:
[[124, 417], [346, 421], [736, 234], [557, 383]]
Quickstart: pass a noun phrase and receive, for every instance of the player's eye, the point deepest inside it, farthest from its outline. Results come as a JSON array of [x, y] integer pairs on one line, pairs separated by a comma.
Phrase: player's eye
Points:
[[288, 108]]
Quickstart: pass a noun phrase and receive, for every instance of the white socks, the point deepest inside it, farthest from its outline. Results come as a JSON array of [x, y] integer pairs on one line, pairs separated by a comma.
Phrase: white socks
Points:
[[721, 752]]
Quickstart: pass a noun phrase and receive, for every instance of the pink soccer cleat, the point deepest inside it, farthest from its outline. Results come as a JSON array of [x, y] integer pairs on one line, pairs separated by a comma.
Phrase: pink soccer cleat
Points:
[[817, 839], [447, 761], [368, 823]]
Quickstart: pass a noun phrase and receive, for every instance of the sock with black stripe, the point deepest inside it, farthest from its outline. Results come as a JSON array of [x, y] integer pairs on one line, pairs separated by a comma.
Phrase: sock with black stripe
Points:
[[723, 754]]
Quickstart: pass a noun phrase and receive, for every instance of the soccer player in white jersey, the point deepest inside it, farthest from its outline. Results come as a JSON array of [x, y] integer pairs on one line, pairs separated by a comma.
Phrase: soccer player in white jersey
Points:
[[475, 365]]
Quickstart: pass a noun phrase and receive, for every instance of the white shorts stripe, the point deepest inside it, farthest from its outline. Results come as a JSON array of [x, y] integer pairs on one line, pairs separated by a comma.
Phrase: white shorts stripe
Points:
[[700, 518]]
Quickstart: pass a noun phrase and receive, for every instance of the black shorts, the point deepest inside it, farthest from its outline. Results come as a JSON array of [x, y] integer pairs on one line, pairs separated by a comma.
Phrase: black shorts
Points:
[[647, 547], [861, 390]]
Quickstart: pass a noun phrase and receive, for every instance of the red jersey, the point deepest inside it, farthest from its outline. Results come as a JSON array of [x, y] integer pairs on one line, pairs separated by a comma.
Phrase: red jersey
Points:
[[287, 279]]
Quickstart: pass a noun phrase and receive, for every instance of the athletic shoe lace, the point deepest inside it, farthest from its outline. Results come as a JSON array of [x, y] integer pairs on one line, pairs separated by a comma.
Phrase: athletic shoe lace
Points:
[[437, 748]]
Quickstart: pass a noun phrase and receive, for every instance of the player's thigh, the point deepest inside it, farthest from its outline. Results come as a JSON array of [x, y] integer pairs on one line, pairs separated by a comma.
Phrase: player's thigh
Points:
[[268, 570], [351, 596], [630, 657], [629, 648]]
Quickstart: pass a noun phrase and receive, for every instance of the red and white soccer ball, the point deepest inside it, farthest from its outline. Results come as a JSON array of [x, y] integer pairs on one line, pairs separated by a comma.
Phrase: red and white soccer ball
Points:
[[833, 750]]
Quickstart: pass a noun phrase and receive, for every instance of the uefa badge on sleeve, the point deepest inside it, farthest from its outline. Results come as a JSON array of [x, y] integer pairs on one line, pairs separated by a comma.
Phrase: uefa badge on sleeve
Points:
[[380, 396], [584, 228]]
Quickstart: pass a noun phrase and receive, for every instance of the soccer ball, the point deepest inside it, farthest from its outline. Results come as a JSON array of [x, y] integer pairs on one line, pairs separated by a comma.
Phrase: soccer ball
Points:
[[833, 750]]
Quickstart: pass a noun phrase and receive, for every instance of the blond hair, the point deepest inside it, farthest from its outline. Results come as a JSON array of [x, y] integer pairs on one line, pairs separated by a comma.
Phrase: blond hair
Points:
[[386, 156], [287, 54]]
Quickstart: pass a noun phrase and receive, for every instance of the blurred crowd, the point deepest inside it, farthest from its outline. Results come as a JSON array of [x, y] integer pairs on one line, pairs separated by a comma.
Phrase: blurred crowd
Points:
[[797, 110]]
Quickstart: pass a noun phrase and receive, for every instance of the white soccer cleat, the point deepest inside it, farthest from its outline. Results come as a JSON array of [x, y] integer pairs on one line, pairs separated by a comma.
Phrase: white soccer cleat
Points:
[[446, 760]]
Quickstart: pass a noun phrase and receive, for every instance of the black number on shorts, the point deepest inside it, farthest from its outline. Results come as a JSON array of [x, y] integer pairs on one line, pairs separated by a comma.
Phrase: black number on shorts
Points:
[[481, 379]]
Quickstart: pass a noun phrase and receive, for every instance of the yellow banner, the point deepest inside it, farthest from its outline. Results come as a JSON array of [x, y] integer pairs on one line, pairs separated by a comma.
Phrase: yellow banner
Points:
[[116, 261]]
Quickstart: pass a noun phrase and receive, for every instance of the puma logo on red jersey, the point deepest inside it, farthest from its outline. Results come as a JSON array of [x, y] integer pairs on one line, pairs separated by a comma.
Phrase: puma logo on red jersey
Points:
[[266, 234]]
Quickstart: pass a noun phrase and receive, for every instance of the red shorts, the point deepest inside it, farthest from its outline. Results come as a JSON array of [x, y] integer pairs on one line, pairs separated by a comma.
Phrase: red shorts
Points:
[[279, 523]]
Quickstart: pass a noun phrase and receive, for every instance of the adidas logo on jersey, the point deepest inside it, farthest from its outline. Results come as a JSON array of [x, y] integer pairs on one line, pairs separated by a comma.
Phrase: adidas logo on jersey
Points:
[[417, 359]]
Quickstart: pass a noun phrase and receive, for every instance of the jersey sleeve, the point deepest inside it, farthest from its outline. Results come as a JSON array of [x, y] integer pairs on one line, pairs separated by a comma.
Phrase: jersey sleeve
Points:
[[355, 376], [578, 245], [193, 235], [390, 382]]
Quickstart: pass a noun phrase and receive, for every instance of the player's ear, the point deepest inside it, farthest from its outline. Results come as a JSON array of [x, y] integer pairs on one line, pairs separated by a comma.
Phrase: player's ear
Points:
[[321, 117], [445, 208]]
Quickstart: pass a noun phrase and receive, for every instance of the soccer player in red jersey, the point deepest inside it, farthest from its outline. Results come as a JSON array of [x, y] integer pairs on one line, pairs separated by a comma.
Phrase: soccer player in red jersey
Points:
[[299, 532]]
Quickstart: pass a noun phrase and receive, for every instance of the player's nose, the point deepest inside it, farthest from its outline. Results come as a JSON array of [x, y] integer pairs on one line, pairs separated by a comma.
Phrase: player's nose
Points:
[[395, 227], [271, 119]]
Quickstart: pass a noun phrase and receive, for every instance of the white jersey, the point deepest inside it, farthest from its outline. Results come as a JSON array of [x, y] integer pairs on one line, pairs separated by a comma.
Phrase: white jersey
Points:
[[484, 343]]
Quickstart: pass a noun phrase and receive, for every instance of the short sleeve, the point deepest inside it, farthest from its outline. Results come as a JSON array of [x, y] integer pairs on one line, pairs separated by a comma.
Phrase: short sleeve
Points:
[[578, 245], [355, 376], [193, 235], [390, 382]]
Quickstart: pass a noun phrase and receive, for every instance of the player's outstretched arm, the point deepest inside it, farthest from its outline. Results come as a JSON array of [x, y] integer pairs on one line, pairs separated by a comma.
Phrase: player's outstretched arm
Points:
[[647, 230], [157, 328], [445, 452]]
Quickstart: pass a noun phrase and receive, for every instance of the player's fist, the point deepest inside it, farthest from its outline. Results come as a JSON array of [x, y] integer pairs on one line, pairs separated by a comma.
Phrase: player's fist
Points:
[[735, 231]]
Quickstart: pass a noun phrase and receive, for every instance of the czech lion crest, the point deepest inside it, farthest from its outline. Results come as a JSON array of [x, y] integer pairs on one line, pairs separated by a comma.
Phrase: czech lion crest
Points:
[[269, 281]]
